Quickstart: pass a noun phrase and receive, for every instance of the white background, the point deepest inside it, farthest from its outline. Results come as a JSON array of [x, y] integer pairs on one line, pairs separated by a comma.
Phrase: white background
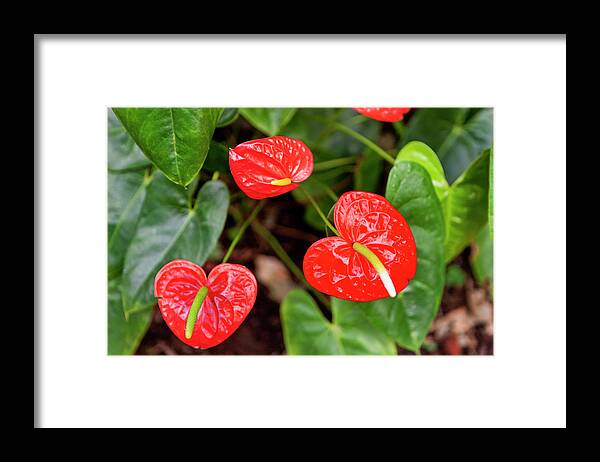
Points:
[[523, 384]]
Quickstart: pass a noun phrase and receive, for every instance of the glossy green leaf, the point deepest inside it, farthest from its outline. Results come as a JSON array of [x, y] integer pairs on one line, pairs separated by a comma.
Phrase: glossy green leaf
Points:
[[466, 208], [229, 115], [482, 256], [457, 135], [176, 140], [367, 174], [268, 120], [124, 335], [217, 158], [168, 228], [123, 153], [420, 153], [307, 332], [407, 318], [126, 194]]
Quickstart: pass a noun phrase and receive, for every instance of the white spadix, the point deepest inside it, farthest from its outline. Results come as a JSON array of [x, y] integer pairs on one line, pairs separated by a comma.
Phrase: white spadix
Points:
[[381, 271], [387, 282]]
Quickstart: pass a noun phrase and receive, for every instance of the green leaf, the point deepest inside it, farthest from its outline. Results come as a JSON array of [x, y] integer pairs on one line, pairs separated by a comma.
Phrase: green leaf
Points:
[[307, 332], [126, 194], [408, 317], [168, 228], [176, 140], [268, 120], [457, 135], [367, 174], [466, 208], [123, 153], [124, 335], [230, 114], [482, 256], [420, 153], [217, 158]]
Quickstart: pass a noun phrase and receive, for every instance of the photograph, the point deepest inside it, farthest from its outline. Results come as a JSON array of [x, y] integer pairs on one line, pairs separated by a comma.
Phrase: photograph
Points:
[[300, 231]]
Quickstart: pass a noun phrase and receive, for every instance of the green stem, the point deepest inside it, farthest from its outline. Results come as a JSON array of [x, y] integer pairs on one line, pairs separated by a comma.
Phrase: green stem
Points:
[[215, 176], [242, 230], [366, 141], [400, 129], [286, 259], [193, 313], [319, 211], [329, 164], [331, 193]]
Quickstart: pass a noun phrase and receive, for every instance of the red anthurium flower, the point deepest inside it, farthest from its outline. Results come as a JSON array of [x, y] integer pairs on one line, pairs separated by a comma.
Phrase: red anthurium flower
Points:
[[270, 166], [374, 256], [384, 114], [201, 311]]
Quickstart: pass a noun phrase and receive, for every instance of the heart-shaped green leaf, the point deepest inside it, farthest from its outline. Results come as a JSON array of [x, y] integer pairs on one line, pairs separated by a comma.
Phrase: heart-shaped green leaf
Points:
[[268, 120], [466, 208], [123, 153], [176, 140], [307, 332], [169, 228], [420, 153], [124, 335], [457, 135], [127, 185], [408, 317], [126, 194]]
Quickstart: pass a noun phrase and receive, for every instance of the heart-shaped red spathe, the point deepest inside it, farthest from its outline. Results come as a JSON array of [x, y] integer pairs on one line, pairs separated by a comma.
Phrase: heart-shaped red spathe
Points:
[[332, 266], [231, 295], [255, 164], [384, 114]]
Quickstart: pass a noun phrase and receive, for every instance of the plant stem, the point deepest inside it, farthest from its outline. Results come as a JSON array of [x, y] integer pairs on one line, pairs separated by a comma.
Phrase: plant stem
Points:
[[215, 176], [400, 129], [242, 230], [330, 192], [319, 211], [328, 164], [366, 141], [286, 259]]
